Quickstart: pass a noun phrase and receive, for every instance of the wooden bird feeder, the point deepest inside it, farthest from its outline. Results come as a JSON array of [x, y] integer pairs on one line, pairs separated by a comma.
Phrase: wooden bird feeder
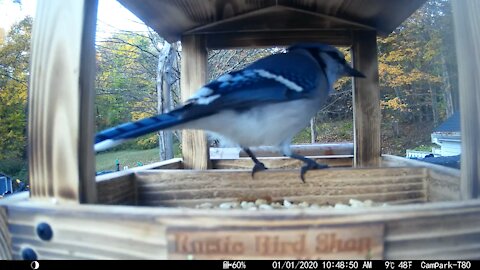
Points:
[[148, 212]]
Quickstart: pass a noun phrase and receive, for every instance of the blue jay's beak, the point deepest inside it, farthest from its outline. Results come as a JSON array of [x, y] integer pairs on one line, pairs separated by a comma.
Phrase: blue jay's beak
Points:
[[349, 71]]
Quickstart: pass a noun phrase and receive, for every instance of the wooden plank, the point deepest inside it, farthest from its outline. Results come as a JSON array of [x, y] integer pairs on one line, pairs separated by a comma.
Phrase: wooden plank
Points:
[[317, 149], [277, 38], [193, 76], [423, 231], [419, 238], [364, 241], [366, 99], [120, 189], [265, 20], [174, 163], [443, 183], [467, 37], [60, 93], [324, 149], [327, 187], [281, 162], [5, 241], [88, 237]]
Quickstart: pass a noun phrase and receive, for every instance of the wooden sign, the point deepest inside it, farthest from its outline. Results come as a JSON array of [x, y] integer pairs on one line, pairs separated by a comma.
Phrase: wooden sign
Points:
[[330, 242]]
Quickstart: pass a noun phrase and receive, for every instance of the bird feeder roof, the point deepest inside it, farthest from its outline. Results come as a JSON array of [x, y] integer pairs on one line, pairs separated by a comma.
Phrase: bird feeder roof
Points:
[[173, 18]]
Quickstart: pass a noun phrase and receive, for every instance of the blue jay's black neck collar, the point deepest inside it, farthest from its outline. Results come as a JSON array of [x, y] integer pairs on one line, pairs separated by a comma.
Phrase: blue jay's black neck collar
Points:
[[330, 59]]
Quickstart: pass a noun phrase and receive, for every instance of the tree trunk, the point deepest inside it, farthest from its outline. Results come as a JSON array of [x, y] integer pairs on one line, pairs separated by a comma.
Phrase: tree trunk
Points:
[[433, 96], [313, 130], [164, 70], [448, 89]]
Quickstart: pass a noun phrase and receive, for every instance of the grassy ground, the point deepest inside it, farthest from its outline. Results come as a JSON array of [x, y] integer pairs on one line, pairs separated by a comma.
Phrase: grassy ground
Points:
[[339, 131], [130, 158]]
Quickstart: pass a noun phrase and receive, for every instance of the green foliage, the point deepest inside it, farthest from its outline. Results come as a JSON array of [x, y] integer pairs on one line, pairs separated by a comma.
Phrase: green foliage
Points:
[[147, 141], [126, 79], [16, 168], [302, 137], [328, 131], [426, 147], [414, 78], [14, 63]]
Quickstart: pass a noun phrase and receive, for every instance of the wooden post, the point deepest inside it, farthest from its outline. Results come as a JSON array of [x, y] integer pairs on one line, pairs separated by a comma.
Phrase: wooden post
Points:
[[60, 131], [467, 36], [366, 99], [193, 76]]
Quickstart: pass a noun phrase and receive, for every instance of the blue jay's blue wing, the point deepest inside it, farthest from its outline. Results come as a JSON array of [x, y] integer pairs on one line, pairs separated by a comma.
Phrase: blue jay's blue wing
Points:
[[268, 80]]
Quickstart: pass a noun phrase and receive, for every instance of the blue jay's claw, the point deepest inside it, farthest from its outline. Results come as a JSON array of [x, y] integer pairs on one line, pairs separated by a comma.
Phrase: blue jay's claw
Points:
[[258, 168], [310, 165]]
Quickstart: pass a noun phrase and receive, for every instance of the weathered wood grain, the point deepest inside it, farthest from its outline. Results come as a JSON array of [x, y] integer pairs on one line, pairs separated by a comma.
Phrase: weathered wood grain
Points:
[[421, 231], [280, 162], [467, 39], [194, 75], [174, 163], [330, 186], [266, 20], [276, 38], [366, 100], [318, 149], [5, 241], [60, 158], [442, 184], [121, 188]]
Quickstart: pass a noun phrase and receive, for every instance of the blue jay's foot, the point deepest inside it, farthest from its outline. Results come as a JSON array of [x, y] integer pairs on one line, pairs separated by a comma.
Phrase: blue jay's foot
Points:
[[259, 166], [310, 164]]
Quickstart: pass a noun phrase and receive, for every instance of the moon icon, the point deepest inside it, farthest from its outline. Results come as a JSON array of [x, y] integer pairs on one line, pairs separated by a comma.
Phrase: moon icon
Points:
[[35, 265]]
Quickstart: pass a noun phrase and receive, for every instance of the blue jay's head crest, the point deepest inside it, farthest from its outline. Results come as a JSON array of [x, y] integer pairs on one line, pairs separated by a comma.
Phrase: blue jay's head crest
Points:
[[329, 58]]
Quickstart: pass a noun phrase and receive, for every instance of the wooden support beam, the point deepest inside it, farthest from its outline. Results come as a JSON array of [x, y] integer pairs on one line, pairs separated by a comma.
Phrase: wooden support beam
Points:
[[467, 36], [5, 237], [366, 99], [277, 38], [193, 76], [60, 131]]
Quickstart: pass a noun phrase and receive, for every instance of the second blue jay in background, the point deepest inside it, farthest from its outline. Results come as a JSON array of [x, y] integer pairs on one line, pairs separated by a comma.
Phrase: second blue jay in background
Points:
[[266, 103]]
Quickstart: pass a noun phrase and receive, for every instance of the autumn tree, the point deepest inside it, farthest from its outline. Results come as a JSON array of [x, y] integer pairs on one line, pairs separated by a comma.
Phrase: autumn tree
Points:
[[417, 83], [14, 64]]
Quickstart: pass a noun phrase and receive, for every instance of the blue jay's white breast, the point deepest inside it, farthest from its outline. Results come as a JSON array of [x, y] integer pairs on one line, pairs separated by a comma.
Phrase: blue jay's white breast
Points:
[[270, 124]]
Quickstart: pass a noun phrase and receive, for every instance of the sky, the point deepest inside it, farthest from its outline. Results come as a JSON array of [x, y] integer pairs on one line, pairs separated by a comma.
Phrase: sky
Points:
[[112, 16]]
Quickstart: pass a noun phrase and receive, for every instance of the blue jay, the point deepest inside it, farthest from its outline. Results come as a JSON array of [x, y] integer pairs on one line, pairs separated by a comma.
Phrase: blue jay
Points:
[[266, 103]]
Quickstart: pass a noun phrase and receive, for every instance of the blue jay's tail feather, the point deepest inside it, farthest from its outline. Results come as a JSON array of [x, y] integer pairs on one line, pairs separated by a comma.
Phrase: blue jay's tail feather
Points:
[[114, 136]]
